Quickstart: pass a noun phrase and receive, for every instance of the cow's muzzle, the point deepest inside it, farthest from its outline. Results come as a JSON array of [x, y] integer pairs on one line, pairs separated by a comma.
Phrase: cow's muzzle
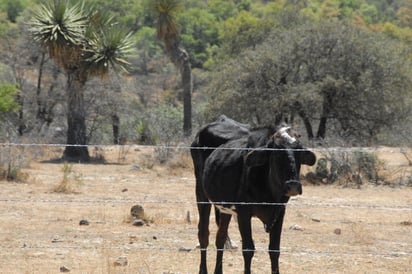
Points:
[[293, 188]]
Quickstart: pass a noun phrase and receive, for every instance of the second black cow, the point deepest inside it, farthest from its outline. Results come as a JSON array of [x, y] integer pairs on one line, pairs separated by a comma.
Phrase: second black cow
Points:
[[245, 172]]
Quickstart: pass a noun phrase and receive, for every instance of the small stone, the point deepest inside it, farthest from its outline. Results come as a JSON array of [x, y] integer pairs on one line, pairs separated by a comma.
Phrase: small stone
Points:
[[296, 227], [188, 220], [64, 269], [84, 222], [135, 168], [337, 231], [185, 249], [137, 212], [316, 220], [139, 222], [125, 190], [121, 261], [56, 239]]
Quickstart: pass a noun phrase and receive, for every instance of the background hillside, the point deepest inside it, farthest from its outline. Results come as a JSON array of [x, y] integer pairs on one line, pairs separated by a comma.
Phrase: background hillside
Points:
[[338, 69]]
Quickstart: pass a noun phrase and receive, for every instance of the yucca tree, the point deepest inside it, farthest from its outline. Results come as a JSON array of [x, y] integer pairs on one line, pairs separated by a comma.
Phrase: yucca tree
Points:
[[84, 43], [167, 31]]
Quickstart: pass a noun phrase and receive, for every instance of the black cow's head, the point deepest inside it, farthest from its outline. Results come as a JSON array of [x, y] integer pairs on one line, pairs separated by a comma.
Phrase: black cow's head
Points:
[[283, 156]]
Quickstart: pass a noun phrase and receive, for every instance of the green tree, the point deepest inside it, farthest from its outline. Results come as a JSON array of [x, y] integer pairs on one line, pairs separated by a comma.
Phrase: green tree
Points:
[[8, 93], [333, 75], [85, 43], [199, 33], [13, 8], [147, 47], [369, 13], [222, 9], [167, 31], [241, 32]]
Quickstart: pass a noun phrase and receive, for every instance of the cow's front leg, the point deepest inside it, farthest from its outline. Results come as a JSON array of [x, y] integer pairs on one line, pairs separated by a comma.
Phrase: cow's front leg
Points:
[[274, 243], [248, 247]]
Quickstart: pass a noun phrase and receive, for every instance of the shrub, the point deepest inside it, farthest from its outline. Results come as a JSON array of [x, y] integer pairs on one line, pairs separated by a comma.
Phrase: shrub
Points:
[[12, 160], [163, 126], [347, 168]]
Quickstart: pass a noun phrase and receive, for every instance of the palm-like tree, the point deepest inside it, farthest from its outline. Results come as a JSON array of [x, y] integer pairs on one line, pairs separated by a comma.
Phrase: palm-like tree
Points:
[[84, 43], [168, 32]]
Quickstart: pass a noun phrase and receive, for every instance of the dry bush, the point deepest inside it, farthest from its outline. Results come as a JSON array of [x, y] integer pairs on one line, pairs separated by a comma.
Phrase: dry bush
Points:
[[122, 153], [146, 161], [348, 169], [69, 181], [181, 159], [12, 160], [98, 154]]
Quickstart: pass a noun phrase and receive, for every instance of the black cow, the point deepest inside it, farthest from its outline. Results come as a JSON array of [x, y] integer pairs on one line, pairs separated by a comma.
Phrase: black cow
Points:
[[209, 137], [249, 174]]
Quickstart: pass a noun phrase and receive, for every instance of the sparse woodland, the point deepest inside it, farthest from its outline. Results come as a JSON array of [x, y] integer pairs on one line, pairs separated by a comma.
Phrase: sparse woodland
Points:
[[339, 70], [128, 83]]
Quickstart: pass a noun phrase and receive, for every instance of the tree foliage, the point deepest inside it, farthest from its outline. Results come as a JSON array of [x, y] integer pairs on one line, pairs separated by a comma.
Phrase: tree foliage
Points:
[[168, 32], [332, 75], [214, 33], [85, 43], [8, 93]]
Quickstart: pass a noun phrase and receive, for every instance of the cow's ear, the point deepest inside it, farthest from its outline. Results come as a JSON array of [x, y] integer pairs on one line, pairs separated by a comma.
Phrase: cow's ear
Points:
[[256, 158], [308, 158]]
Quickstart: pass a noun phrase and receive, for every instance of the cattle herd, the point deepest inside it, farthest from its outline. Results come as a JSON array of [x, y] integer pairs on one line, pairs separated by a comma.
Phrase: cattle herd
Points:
[[247, 172]]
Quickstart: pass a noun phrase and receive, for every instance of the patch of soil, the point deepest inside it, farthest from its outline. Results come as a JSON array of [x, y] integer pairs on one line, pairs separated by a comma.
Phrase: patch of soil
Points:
[[40, 228]]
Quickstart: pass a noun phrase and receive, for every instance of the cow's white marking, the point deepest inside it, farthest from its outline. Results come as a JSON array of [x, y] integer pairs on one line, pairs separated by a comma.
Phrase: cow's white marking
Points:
[[227, 210], [285, 135]]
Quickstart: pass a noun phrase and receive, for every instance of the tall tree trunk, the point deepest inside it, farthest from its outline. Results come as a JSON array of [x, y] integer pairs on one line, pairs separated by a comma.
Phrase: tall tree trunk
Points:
[[181, 59], [115, 125], [186, 72], [44, 108], [326, 109], [22, 125], [306, 121], [40, 107], [76, 119]]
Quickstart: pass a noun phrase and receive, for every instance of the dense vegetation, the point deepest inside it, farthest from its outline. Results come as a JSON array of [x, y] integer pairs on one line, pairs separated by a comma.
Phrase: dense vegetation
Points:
[[338, 69]]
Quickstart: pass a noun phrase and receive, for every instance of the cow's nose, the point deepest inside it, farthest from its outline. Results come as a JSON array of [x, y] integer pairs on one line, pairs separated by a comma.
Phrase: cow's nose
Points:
[[293, 188]]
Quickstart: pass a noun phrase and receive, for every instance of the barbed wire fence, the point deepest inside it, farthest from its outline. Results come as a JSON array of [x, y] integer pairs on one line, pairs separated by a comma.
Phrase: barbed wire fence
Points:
[[394, 209]]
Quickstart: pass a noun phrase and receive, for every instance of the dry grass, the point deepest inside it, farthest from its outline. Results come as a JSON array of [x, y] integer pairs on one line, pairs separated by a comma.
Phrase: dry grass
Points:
[[40, 230]]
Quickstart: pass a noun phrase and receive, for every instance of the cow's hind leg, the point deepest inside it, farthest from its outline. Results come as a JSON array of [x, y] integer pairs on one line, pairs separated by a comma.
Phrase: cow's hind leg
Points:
[[221, 237], [229, 244], [203, 207]]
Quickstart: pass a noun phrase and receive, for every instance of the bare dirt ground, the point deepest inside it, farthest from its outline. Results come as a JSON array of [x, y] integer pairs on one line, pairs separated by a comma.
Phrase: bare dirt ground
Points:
[[340, 230]]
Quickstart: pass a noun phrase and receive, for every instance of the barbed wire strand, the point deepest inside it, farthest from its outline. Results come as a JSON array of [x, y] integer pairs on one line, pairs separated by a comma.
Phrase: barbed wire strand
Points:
[[290, 251], [165, 202], [185, 147]]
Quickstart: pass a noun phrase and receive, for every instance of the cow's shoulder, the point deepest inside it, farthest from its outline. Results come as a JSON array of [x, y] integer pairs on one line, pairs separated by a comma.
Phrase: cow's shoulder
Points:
[[229, 154], [259, 137]]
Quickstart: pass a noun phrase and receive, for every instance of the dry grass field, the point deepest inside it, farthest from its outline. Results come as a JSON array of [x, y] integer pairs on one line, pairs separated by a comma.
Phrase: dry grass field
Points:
[[341, 229]]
